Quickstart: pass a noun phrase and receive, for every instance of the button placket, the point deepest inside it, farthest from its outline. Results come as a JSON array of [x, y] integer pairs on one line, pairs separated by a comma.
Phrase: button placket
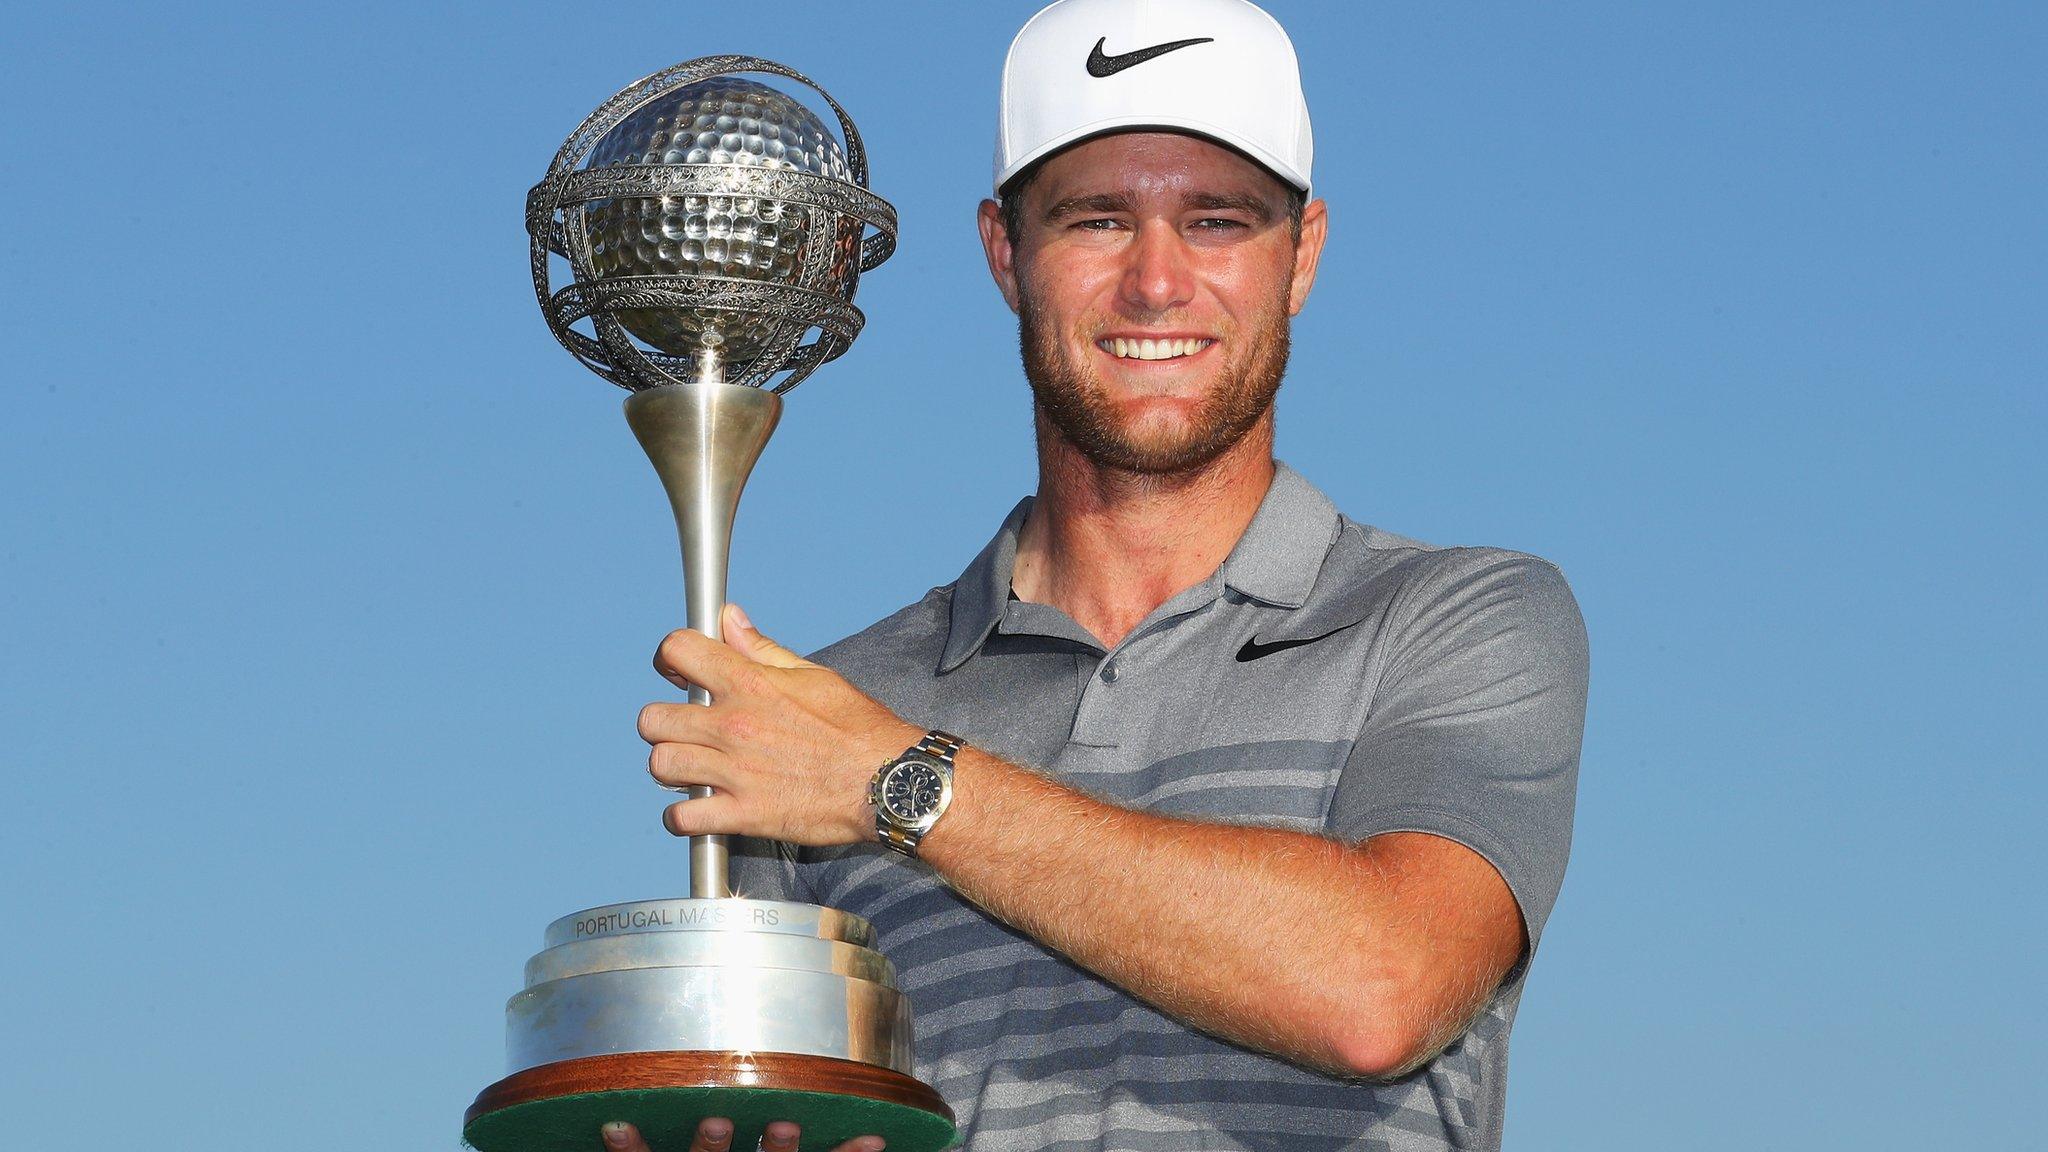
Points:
[[1095, 721], [1111, 702]]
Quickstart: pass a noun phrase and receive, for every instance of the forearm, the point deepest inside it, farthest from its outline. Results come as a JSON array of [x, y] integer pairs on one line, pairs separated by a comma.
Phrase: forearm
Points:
[[1357, 960], [1318, 952]]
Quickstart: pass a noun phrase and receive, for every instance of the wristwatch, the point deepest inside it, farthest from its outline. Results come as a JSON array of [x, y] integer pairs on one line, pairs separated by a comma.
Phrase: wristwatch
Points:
[[912, 791]]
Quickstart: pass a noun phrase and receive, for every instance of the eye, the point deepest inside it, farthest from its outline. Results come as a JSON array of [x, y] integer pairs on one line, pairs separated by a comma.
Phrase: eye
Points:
[[1098, 224]]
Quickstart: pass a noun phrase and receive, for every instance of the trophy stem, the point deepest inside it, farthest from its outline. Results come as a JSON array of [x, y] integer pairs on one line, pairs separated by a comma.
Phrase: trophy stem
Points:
[[704, 439]]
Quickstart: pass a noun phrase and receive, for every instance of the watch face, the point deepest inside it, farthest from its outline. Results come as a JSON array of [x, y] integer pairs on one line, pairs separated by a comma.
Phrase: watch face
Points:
[[911, 792]]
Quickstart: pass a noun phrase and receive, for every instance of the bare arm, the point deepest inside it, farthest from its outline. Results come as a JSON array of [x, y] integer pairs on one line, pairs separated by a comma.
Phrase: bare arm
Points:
[[1356, 960]]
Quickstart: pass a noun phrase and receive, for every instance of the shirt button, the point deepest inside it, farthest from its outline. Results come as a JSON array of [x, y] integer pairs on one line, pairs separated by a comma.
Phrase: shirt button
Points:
[[1109, 672]]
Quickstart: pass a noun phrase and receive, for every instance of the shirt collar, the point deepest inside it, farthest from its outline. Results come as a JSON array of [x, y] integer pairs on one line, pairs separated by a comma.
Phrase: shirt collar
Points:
[[982, 591], [1275, 561]]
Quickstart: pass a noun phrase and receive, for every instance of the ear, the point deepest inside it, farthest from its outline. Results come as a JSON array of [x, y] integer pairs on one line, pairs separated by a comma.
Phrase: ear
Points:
[[1315, 228], [1002, 255]]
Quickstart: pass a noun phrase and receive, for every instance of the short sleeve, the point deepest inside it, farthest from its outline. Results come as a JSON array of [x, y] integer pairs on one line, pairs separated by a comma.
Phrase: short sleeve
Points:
[[1473, 733]]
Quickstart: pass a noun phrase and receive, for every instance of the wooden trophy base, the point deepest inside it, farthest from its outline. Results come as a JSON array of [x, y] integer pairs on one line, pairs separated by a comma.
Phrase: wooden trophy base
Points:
[[560, 1107]]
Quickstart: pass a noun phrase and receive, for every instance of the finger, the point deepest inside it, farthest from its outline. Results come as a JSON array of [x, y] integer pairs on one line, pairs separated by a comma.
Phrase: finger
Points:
[[681, 765], [688, 658], [862, 1144], [667, 722], [781, 1136], [708, 816], [713, 1135], [677, 679], [620, 1136], [740, 633]]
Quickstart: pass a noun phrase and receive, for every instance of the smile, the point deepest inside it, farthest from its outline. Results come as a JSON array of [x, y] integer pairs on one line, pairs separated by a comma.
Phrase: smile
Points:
[[1125, 349]]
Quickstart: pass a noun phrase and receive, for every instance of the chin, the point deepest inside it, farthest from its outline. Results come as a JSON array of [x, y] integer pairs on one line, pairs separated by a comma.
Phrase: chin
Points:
[[1147, 421]]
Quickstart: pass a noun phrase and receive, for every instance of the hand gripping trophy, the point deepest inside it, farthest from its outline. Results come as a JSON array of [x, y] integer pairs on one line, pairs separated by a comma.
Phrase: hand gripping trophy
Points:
[[712, 225]]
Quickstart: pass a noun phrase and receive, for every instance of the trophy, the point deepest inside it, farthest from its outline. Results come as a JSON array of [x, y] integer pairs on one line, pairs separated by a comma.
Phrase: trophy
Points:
[[716, 230]]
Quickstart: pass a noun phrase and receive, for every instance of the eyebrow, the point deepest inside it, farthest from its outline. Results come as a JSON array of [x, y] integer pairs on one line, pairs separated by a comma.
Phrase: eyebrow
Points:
[[1253, 206], [1093, 202], [1113, 202]]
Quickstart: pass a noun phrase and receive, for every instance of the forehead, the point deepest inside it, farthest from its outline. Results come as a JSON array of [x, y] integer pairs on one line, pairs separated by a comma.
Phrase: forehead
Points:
[[1153, 163]]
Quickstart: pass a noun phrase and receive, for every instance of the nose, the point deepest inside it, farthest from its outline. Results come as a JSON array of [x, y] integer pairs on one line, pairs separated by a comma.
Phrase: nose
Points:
[[1159, 275]]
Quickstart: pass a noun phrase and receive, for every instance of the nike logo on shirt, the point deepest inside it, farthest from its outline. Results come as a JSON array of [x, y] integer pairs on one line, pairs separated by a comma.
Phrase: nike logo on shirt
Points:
[[1252, 649]]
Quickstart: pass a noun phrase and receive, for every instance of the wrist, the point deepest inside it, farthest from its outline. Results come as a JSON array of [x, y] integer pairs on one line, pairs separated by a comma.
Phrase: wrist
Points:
[[911, 792], [881, 745]]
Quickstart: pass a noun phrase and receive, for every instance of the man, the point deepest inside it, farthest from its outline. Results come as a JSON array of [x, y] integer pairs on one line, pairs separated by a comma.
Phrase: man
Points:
[[1260, 810]]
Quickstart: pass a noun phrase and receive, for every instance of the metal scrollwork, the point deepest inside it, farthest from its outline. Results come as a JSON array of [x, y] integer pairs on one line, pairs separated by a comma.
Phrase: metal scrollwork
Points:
[[806, 235]]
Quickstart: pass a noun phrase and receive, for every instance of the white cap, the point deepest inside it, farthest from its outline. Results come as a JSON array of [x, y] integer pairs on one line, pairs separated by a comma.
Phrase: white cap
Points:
[[1223, 69]]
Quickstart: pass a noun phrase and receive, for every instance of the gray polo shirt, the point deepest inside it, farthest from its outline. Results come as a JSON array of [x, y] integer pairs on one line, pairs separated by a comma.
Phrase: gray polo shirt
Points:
[[1329, 678]]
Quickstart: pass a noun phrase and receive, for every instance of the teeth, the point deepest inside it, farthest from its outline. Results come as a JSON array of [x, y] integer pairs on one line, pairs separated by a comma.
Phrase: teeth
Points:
[[1153, 349]]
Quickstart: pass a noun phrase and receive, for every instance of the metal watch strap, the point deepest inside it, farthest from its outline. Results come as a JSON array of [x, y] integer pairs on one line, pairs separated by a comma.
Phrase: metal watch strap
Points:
[[940, 746], [935, 745]]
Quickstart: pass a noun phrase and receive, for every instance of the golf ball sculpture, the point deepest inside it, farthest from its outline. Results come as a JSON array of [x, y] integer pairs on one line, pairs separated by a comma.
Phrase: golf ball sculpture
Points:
[[716, 230], [714, 218]]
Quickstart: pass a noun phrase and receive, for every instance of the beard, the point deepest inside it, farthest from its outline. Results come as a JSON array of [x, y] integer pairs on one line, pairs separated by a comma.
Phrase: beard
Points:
[[1072, 398]]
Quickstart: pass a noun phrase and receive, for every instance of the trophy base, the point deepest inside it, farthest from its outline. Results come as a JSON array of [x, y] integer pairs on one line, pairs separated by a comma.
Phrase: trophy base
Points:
[[665, 1012], [560, 1107]]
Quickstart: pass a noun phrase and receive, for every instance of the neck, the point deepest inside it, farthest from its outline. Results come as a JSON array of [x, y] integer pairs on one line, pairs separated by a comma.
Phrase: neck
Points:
[[1107, 546]]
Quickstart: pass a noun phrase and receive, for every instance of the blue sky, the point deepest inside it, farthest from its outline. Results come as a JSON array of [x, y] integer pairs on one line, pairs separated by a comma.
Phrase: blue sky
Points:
[[328, 582]]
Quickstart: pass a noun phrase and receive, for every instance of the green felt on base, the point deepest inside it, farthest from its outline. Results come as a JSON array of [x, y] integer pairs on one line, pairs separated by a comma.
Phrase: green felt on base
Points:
[[668, 1118]]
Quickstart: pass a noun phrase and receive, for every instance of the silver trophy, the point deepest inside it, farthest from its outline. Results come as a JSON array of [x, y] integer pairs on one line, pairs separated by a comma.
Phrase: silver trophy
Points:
[[715, 229]]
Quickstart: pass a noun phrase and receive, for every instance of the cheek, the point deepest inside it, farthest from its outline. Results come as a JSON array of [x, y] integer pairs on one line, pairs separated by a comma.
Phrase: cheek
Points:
[[1255, 279], [1065, 281]]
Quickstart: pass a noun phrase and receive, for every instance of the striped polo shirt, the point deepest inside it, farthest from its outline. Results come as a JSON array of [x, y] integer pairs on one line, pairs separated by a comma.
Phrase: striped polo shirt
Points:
[[1329, 678]]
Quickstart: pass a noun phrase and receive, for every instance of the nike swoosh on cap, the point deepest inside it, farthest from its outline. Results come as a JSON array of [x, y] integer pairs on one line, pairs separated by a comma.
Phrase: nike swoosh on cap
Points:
[[1100, 65]]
